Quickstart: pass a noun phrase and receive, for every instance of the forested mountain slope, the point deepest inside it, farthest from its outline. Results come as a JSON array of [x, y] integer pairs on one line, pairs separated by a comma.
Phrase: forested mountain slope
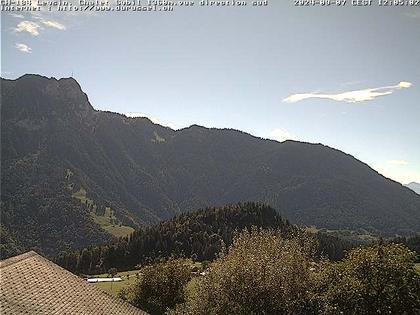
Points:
[[66, 167]]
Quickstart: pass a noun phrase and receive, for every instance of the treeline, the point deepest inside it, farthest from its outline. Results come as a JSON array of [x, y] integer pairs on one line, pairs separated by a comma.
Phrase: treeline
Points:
[[200, 235]]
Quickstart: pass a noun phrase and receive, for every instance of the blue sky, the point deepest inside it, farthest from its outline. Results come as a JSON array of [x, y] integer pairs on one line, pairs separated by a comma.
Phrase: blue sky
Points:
[[346, 77]]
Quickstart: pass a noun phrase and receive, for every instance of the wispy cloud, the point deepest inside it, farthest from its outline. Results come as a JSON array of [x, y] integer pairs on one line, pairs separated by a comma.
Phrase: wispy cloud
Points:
[[29, 27], [53, 24], [413, 14], [281, 135], [351, 96], [404, 173], [397, 162], [5, 73], [35, 28], [18, 16], [23, 48]]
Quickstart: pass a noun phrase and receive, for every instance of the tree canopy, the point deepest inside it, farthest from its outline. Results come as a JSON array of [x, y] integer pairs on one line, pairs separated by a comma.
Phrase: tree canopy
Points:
[[264, 273]]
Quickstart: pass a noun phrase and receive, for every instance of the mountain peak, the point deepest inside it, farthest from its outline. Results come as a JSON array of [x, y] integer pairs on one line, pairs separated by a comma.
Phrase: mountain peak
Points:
[[40, 96]]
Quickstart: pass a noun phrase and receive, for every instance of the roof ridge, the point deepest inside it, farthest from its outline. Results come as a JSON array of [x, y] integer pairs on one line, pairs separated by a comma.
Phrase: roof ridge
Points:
[[15, 259], [81, 280]]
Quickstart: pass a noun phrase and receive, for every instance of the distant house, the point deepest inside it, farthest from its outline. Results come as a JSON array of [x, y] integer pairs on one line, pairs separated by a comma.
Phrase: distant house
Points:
[[31, 284]]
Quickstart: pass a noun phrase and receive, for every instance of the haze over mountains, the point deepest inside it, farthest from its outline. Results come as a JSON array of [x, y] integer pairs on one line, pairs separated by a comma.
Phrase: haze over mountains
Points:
[[414, 187], [55, 145]]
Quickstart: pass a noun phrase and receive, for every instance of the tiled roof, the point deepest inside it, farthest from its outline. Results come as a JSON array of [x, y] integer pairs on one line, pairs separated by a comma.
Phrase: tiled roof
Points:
[[31, 284]]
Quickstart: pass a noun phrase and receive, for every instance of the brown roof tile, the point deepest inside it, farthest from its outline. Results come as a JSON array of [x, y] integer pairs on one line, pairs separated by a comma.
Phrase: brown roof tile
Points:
[[31, 284]]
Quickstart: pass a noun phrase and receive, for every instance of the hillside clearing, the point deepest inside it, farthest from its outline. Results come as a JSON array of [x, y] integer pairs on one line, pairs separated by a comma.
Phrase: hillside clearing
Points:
[[108, 221]]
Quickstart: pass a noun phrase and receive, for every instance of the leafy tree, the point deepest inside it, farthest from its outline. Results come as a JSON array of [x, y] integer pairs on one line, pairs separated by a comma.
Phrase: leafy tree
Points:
[[262, 273], [160, 286], [412, 242], [379, 279]]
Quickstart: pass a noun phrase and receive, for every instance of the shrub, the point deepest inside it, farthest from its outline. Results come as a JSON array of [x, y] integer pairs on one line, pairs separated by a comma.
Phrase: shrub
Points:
[[261, 274], [160, 286], [379, 279]]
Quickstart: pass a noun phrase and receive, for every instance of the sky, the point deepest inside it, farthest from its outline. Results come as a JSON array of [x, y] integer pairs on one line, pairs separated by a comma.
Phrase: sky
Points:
[[347, 77]]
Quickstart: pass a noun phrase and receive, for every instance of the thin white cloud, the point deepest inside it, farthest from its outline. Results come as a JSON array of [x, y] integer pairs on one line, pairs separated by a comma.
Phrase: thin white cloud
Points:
[[18, 16], [29, 27], [280, 135], [5, 73], [53, 24], [397, 162], [413, 14], [154, 120], [351, 96], [23, 48], [34, 28], [403, 175]]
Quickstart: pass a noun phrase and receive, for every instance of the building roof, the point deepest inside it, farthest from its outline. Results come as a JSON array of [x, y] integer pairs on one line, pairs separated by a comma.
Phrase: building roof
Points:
[[31, 284]]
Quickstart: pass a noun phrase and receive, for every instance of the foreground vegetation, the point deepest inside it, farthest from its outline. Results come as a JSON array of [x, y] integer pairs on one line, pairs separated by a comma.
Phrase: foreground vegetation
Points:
[[263, 273], [246, 259]]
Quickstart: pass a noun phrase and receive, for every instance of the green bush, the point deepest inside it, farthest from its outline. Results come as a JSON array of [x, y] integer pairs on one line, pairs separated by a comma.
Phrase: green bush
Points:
[[160, 286], [379, 279]]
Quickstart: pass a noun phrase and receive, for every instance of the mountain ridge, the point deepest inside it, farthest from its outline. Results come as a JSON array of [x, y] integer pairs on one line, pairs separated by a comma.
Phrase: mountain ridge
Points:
[[146, 172]]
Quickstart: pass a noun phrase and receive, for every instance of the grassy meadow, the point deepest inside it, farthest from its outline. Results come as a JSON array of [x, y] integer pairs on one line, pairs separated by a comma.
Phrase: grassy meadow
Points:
[[108, 221], [128, 278]]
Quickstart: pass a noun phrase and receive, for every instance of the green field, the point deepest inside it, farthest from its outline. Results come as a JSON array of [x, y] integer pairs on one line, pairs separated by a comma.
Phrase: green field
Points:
[[108, 221], [115, 287], [362, 236]]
